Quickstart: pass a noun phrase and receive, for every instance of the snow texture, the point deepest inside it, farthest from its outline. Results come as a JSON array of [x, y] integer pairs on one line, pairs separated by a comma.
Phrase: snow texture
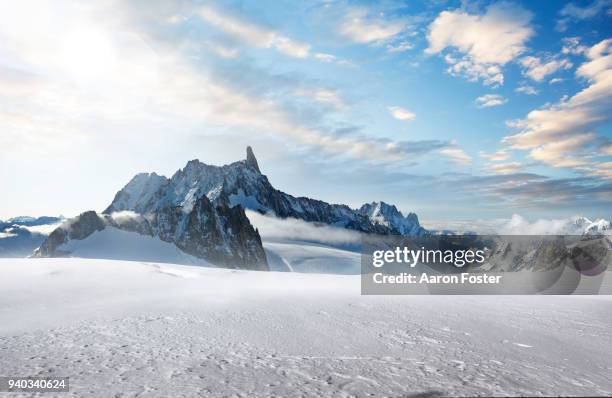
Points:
[[116, 244], [122, 328]]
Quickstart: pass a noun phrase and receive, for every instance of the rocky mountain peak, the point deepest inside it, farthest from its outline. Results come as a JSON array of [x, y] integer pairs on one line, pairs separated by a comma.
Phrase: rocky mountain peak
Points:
[[413, 218], [251, 161], [388, 215]]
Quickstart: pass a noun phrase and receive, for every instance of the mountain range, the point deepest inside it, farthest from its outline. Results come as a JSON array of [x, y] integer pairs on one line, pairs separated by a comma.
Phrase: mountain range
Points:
[[197, 216], [19, 236], [201, 210]]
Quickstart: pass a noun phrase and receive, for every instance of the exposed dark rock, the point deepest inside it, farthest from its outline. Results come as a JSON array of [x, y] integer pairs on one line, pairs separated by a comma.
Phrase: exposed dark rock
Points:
[[78, 228], [251, 161]]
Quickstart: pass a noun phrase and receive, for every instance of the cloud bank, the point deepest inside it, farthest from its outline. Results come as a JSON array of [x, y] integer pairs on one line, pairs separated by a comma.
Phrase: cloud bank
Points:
[[272, 228]]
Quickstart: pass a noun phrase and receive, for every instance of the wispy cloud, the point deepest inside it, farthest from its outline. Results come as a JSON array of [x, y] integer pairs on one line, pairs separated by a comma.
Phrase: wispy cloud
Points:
[[323, 96], [526, 89], [362, 27], [572, 12], [399, 47], [401, 113], [129, 82], [457, 155], [490, 100], [272, 228], [538, 70], [254, 34], [505, 168], [325, 57], [573, 46], [534, 192], [495, 156]]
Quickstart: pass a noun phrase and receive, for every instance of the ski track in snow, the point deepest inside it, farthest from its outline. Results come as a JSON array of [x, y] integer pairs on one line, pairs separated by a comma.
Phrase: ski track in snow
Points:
[[127, 329]]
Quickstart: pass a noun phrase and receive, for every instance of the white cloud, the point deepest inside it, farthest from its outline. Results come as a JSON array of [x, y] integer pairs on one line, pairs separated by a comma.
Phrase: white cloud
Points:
[[399, 47], [555, 80], [401, 113], [324, 96], [490, 100], [505, 168], [526, 89], [561, 134], [495, 156], [491, 75], [325, 57], [44, 229], [486, 42], [271, 227], [360, 27], [555, 152], [253, 34], [138, 87], [538, 70], [125, 216], [572, 45], [456, 155]]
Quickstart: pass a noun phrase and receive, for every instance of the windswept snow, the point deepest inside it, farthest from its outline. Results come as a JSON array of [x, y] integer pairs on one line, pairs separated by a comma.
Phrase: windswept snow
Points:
[[309, 258], [116, 244], [119, 328]]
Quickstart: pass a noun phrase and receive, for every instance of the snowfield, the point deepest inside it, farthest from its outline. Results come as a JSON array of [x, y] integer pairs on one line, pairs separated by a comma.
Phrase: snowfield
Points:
[[120, 328]]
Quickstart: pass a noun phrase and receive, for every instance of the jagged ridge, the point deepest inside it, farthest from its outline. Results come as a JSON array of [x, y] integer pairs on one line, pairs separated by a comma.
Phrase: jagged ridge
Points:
[[244, 185], [201, 210]]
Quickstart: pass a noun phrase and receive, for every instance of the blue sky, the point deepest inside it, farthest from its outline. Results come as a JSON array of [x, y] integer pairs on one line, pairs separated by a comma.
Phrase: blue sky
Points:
[[454, 110]]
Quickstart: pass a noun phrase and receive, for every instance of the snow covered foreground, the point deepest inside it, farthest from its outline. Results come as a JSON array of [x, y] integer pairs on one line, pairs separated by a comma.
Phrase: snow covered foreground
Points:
[[119, 328]]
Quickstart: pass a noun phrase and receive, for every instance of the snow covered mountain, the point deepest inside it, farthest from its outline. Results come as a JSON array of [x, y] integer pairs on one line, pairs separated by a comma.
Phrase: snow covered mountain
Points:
[[577, 225], [245, 185], [597, 227], [385, 214], [19, 236], [201, 210], [220, 235]]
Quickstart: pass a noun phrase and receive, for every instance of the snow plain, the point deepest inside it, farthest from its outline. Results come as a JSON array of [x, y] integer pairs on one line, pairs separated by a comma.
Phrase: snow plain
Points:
[[121, 328]]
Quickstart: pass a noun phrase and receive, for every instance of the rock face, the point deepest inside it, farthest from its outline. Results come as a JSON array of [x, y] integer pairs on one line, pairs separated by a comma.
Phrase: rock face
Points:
[[219, 234], [251, 161], [387, 215], [244, 185], [78, 228], [201, 207]]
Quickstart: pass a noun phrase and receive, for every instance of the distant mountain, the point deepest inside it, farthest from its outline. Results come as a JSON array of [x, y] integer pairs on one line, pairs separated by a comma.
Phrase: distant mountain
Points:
[[19, 236], [580, 226], [598, 227], [32, 221], [381, 213]]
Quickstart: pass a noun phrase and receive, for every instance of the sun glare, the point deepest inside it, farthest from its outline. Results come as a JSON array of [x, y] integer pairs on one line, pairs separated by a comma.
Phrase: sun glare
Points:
[[87, 54]]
